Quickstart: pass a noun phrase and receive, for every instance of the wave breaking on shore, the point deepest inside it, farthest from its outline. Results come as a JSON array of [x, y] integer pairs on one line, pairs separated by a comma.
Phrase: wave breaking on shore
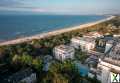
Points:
[[53, 33]]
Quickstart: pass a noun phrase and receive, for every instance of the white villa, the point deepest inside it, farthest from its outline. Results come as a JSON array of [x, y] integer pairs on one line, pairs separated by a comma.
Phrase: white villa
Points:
[[85, 43], [106, 67], [63, 52]]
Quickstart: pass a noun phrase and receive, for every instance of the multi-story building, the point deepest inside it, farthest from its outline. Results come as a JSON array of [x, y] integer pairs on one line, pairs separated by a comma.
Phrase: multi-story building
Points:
[[111, 26], [106, 67], [104, 44], [84, 43], [93, 34], [115, 52], [47, 60], [109, 45], [63, 52], [22, 76]]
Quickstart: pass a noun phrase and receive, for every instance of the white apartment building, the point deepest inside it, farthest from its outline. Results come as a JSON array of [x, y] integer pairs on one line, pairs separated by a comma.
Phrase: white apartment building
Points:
[[105, 68], [63, 52], [93, 34], [85, 43]]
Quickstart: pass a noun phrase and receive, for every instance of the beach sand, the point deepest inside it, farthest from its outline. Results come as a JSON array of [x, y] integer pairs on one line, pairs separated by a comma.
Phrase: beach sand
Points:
[[53, 33]]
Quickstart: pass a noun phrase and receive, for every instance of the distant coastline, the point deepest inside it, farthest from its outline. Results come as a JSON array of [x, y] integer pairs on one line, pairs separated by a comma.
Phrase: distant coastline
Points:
[[19, 26], [53, 33]]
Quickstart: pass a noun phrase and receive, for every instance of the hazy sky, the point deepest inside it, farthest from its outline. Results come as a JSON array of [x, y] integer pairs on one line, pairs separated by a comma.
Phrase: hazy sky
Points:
[[61, 6]]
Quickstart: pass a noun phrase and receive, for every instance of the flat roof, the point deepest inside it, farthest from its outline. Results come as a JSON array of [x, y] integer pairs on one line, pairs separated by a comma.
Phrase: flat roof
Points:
[[94, 33], [87, 39], [64, 47]]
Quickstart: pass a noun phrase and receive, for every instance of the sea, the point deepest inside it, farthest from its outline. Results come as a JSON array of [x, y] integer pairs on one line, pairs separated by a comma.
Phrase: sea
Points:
[[15, 26]]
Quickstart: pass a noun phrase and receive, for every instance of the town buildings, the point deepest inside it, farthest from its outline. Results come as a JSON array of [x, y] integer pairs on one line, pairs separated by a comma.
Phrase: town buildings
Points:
[[63, 52], [109, 63], [98, 43], [109, 49]]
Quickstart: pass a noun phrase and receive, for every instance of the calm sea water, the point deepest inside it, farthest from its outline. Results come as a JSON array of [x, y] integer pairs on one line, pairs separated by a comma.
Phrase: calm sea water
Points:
[[14, 26]]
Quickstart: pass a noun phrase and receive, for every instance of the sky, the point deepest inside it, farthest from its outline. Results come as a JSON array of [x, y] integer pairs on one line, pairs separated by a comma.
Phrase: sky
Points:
[[60, 6]]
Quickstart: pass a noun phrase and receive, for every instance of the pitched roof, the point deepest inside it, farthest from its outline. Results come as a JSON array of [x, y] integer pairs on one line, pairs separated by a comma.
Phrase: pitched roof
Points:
[[18, 75]]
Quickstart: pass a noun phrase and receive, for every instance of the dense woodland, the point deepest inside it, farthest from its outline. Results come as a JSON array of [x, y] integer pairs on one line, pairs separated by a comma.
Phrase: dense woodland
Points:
[[29, 54]]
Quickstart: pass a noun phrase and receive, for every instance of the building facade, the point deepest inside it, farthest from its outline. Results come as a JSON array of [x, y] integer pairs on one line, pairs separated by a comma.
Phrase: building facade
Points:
[[115, 52], [27, 76], [103, 44], [84, 43], [93, 34], [105, 69], [63, 52]]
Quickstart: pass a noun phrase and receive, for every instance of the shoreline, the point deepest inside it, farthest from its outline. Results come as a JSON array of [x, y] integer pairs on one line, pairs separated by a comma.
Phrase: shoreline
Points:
[[53, 33]]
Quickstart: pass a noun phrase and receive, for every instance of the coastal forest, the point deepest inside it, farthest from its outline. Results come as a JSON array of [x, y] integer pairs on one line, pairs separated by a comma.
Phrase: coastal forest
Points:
[[31, 54]]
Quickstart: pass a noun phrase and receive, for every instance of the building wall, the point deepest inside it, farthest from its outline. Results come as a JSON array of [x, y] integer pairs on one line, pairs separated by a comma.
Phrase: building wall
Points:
[[84, 45], [105, 75], [75, 43], [106, 68], [30, 79], [62, 55], [108, 47], [115, 52]]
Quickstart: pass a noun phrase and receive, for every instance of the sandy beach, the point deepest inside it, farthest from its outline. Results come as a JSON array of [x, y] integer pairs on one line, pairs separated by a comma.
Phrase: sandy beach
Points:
[[53, 33]]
